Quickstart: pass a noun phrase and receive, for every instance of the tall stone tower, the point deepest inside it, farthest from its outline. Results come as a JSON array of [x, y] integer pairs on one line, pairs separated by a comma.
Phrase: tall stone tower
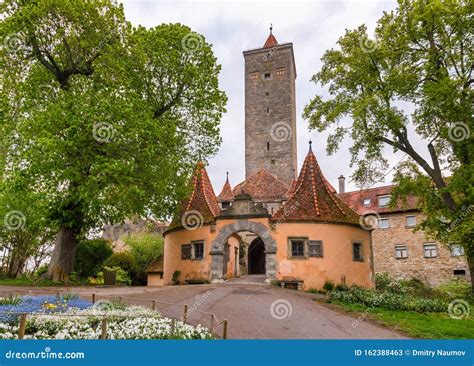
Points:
[[270, 110]]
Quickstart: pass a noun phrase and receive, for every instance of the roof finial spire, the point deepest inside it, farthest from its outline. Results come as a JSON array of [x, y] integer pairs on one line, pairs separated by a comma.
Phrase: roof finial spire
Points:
[[310, 143], [271, 28], [227, 176]]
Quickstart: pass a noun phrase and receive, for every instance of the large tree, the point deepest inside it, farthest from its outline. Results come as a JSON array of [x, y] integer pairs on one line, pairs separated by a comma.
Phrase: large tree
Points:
[[413, 81], [105, 120]]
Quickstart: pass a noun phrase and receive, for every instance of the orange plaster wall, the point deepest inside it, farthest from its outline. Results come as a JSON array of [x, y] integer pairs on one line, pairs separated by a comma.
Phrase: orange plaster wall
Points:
[[190, 269], [337, 251]]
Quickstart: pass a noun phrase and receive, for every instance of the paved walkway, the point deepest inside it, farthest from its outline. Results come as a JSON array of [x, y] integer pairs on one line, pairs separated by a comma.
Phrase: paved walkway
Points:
[[253, 309]]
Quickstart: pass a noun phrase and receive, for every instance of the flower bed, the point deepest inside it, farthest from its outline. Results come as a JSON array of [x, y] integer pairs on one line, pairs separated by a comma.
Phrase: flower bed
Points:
[[40, 304], [69, 317]]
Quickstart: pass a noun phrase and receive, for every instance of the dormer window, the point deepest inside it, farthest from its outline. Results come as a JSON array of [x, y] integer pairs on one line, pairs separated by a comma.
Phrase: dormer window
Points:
[[366, 202]]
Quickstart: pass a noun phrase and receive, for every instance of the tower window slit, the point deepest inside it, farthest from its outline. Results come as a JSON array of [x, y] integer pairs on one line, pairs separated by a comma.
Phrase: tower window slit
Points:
[[268, 146]]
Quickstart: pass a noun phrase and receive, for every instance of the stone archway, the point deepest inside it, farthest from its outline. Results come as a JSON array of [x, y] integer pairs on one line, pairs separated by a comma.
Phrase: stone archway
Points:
[[218, 245]]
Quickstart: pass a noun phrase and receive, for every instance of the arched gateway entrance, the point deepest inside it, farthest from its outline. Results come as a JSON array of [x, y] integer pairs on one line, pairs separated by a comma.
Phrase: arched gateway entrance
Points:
[[256, 257], [218, 247]]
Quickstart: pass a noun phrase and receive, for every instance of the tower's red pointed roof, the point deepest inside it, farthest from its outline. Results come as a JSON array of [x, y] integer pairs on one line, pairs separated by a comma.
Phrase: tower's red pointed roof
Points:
[[290, 191], [202, 206], [313, 199], [270, 42], [226, 193]]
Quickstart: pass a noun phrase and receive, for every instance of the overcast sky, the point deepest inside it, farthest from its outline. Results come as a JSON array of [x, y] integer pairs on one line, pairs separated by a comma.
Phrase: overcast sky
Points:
[[234, 26]]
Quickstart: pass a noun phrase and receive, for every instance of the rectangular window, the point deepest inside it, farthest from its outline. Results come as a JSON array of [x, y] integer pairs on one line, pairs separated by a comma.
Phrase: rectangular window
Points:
[[315, 248], [401, 252], [225, 204], [456, 250], [297, 247], [186, 251], [366, 202], [411, 221], [384, 223], [280, 72], [198, 250], [254, 77], [384, 200], [430, 250], [267, 76], [357, 252]]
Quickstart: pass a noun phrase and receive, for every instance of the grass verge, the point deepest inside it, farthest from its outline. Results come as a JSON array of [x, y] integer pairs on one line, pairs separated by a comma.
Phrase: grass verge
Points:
[[417, 325]]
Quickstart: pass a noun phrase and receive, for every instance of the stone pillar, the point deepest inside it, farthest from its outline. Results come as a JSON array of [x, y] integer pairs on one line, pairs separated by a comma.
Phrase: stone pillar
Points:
[[217, 266], [270, 266]]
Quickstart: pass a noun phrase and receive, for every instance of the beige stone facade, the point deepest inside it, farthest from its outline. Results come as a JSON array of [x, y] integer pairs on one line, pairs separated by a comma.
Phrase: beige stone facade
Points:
[[433, 271]]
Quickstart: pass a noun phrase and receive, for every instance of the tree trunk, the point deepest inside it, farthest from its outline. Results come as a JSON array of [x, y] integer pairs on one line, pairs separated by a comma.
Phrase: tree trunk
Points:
[[16, 265], [62, 259]]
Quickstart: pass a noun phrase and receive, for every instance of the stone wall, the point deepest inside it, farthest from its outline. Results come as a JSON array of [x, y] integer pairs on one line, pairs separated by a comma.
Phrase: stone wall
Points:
[[270, 112], [432, 271]]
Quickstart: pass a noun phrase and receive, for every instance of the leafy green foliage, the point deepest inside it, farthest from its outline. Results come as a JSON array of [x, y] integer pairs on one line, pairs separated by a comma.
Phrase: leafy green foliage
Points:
[[91, 255], [103, 120], [328, 286], [123, 260], [413, 81], [145, 248]]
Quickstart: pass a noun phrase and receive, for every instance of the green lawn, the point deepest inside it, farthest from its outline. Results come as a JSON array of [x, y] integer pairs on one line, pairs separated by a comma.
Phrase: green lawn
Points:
[[431, 325], [26, 281]]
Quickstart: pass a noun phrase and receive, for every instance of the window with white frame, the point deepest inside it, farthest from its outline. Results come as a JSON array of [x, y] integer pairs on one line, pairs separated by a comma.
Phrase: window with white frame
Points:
[[366, 202], [384, 223], [198, 250], [411, 220], [430, 250], [401, 251], [456, 250], [384, 200]]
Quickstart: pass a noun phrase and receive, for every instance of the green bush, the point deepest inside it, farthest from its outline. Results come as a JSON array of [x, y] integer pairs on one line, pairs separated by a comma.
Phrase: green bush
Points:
[[121, 276], [91, 255], [455, 289], [328, 286], [145, 248], [42, 269], [124, 260], [388, 300]]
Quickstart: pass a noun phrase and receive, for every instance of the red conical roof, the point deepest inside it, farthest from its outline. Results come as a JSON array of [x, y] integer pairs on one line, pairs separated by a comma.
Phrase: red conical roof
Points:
[[202, 203], [226, 193], [313, 199]]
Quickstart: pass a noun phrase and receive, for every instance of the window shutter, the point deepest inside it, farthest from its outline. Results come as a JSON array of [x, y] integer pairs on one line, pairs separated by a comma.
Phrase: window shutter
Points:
[[186, 251]]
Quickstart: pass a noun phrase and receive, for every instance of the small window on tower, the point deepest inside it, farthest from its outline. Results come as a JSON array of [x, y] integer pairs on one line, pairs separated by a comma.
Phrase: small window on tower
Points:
[[254, 77], [268, 109], [273, 162], [267, 94], [268, 146], [281, 73], [267, 76]]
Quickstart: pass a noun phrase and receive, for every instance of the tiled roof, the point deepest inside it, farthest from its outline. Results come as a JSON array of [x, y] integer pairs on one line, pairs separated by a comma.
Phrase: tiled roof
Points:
[[262, 185], [314, 199], [271, 41], [226, 193], [290, 190], [355, 200], [202, 203]]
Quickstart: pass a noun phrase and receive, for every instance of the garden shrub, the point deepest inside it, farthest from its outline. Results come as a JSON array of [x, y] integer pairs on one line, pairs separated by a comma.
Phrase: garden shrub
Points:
[[91, 255], [328, 286], [121, 276], [145, 248], [124, 260]]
